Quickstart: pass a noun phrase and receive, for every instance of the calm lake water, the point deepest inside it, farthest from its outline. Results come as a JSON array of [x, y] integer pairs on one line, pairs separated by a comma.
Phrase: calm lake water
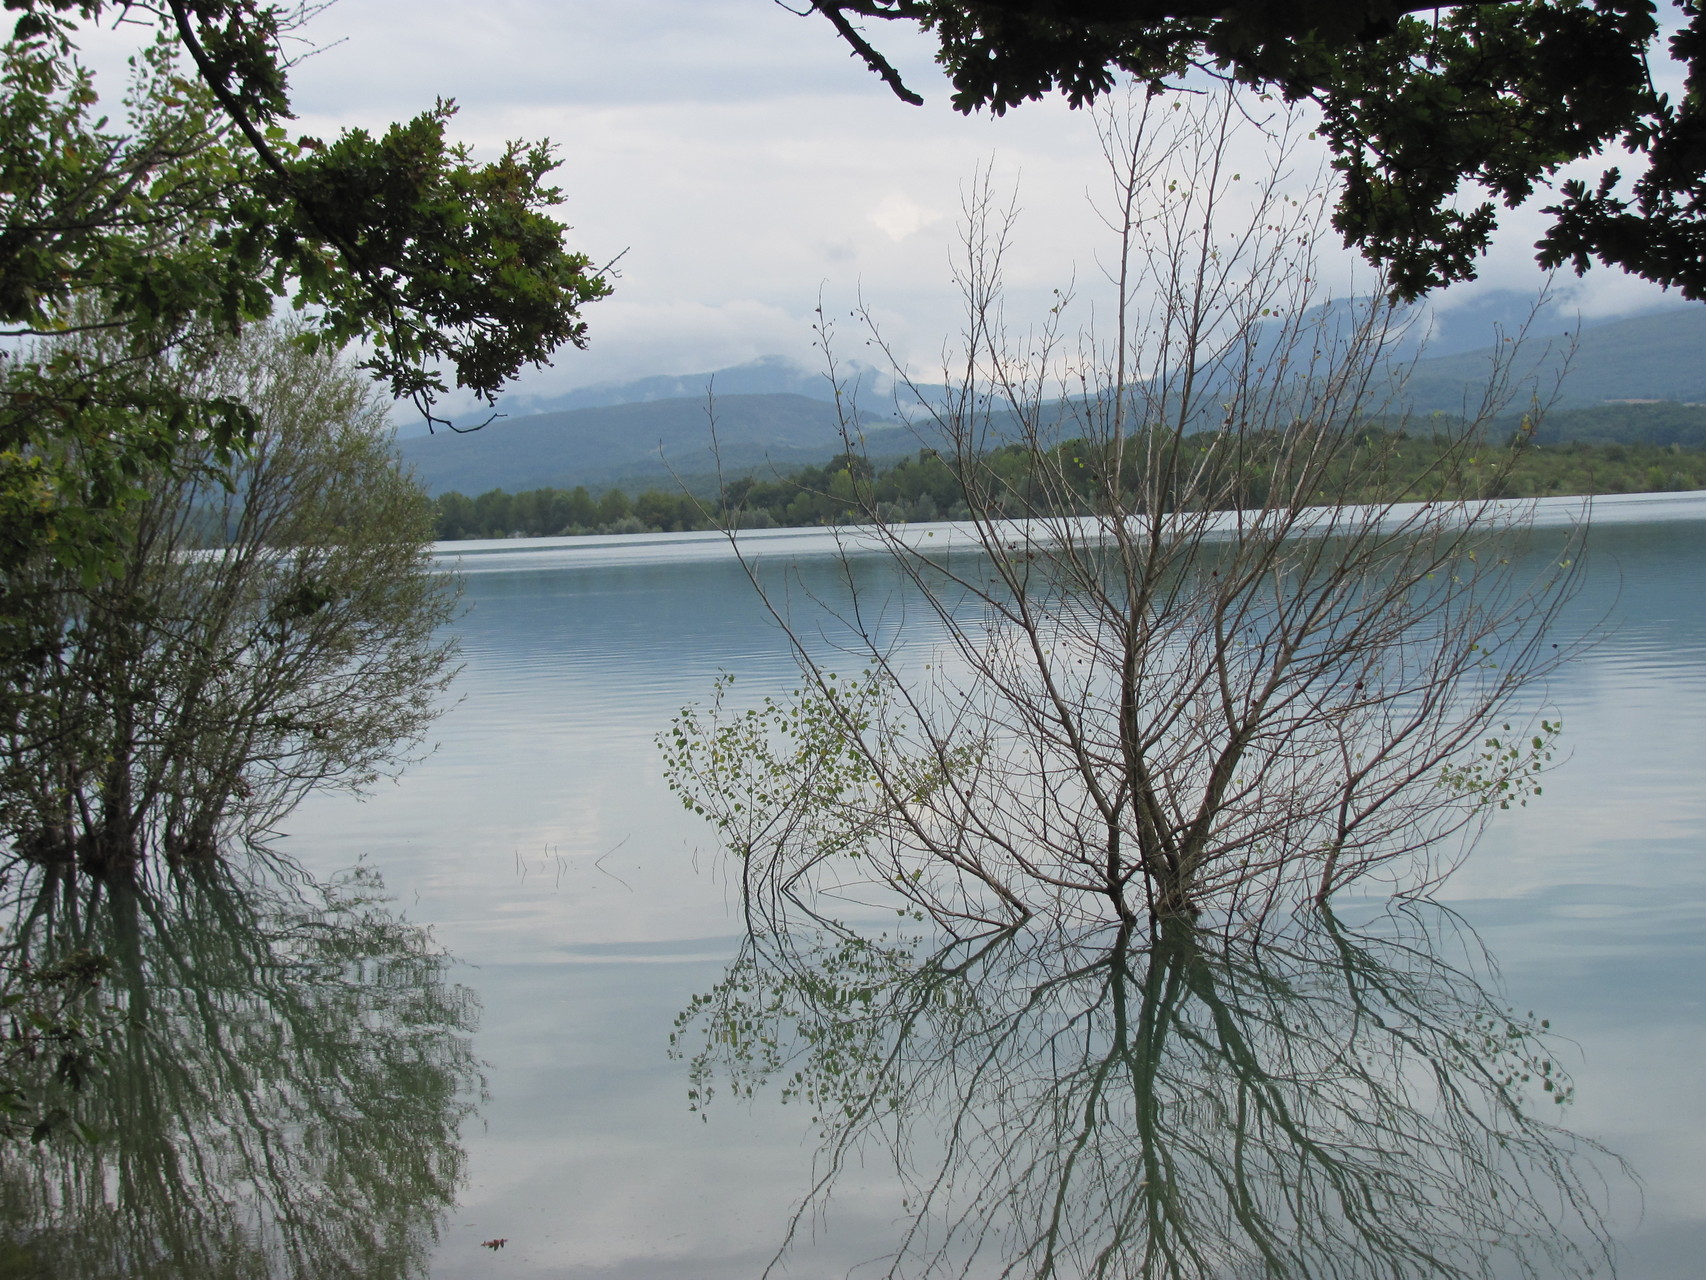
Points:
[[584, 908]]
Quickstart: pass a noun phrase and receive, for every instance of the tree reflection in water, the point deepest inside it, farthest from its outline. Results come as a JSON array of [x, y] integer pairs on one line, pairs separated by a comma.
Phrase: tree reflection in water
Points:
[[282, 1078], [1334, 1104]]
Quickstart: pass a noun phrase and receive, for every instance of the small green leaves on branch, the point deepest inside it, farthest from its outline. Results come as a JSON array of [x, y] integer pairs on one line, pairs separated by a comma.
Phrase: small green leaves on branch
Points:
[[1507, 770]]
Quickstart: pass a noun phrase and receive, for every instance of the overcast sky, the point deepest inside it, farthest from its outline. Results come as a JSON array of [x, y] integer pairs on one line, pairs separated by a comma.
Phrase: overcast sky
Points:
[[743, 163]]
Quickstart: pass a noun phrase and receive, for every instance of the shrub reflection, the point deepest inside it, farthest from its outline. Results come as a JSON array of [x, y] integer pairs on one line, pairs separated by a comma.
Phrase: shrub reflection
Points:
[[281, 1070], [1331, 1103]]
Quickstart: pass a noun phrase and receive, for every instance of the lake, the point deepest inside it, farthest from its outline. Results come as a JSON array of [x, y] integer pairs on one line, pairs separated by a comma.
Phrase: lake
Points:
[[584, 909]]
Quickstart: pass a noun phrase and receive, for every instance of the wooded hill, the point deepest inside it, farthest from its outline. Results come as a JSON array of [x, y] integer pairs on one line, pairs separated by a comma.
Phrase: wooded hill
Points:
[[924, 487], [1664, 424]]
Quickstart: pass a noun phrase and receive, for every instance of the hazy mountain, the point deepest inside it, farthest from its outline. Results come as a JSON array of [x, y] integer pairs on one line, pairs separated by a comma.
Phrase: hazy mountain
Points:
[[1650, 357], [768, 375], [774, 413], [626, 442], [1489, 316]]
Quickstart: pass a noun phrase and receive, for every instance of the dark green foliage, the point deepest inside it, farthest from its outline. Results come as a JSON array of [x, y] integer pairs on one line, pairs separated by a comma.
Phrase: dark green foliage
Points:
[[51, 1045], [1663, 425], [399, 239], [547, 513], [191, 213], [1577, 467], [1421, 106]]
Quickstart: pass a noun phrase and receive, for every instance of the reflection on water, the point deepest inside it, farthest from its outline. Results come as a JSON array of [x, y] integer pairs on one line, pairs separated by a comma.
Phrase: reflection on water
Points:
[[272, 1115], [282, 1072], [1326, 1104]]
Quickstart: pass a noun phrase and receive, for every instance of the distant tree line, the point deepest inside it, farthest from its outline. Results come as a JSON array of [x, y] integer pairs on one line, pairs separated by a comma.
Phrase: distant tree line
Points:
[[925, 487], [542, 513], [1661, 422]]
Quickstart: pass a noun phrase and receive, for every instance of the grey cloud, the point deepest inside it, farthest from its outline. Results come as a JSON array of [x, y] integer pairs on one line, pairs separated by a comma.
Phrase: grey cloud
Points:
[[394, 53]]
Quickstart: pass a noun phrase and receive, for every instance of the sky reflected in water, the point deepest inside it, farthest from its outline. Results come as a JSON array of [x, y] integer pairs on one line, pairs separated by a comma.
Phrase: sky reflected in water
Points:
[[587, 908]]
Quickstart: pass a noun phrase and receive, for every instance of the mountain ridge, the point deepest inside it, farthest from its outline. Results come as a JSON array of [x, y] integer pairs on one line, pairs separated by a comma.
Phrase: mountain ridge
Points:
[[609, 443], [650, 438]]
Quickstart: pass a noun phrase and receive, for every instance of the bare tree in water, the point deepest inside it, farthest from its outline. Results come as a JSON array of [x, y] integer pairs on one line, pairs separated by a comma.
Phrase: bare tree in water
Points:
[[1222, 631]]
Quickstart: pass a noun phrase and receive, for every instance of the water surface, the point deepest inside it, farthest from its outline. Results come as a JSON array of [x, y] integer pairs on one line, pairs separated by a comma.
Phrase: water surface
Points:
[[586, 909]]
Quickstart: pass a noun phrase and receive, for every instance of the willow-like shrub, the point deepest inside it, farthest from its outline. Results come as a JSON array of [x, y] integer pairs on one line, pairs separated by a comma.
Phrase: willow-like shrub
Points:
[[275, 627]]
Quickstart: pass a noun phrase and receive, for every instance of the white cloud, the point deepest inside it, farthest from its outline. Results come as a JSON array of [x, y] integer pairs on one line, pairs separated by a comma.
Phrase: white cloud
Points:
[[748, 166], [683, 336], [588, 52], [898, 217]]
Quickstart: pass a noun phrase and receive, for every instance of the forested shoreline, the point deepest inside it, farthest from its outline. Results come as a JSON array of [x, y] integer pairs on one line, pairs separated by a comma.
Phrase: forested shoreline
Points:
[[924, 487]]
